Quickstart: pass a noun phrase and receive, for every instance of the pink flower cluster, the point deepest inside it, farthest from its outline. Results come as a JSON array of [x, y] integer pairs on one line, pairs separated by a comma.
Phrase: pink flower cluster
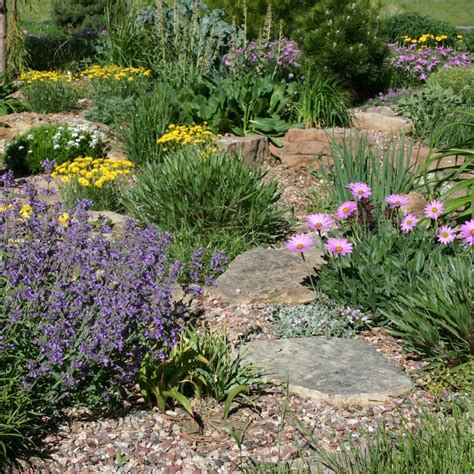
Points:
[[421, 62], [322, 223]]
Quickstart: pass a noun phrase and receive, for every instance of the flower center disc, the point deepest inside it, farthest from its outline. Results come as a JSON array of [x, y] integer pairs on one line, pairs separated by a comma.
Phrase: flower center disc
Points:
[[338, 248]]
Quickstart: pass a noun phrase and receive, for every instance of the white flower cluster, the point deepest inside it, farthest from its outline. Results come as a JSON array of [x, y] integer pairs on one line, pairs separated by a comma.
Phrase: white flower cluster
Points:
[[80, 134]]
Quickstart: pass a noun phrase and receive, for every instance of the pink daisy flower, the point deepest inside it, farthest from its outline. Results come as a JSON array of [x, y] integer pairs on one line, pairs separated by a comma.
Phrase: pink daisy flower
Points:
[[466, 231], [320, 222], [434, 209], [446, 234], [346, 209], [359, 190], [300, 243], [408, 223], [397, 200], [339, 246]]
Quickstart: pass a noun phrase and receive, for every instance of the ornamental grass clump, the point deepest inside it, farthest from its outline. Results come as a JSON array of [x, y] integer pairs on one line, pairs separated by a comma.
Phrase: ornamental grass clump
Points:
[[99, 180], [81, 310]]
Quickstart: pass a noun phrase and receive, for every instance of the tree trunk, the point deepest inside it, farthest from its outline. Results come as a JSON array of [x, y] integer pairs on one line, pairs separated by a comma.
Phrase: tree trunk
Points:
[[3, 36]]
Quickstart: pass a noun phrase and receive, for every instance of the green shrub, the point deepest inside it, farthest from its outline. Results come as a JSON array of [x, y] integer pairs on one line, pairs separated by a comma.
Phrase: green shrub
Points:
[[435, 319], [113, 111], [431, 110], [322, 104], [60, 143], [76, 14], [384, 267], [356, 161], [48, 97], [202, 364], [415, 25], [459, 79], [342, 38], [8, 104], [320, 318], [219, 201], [439, 442]]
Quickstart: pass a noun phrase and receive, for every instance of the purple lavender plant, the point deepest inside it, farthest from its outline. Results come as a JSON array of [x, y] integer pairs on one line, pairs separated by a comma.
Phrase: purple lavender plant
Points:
[[82, 309]]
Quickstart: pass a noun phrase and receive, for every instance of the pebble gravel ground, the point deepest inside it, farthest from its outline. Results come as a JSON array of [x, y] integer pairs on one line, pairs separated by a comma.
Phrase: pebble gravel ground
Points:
[[145, 440]]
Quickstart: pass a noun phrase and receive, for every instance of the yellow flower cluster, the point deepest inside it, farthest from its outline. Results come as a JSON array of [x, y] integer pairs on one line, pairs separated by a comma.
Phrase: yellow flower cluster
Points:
[[116, 72], [25, 211], [427, 37], [5, 208], [41, 76], [92, 171], [64, 219], [196, 135]]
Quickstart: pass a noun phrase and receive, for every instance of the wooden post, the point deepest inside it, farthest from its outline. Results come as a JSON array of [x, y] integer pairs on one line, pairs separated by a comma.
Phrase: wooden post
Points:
[[3, 36]]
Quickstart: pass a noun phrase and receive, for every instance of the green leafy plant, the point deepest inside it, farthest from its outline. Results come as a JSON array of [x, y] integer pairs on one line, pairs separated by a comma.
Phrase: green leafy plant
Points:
[[320, 318], [355, 160], [459, 79], [342, 38], [414, 25], [436, 320], [244, 105], [441, 377], [201, 364], [322, 104], [384, 267], [75, 14], [25, 154], [431, 109], [455, 180], [439, 442], [48, 97], [114, 111], [220, 200]]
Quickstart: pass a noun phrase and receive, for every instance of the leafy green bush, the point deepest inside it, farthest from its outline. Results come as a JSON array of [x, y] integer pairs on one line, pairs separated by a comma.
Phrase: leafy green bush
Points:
[[7, 103], [436, 319], [342, 38], [113, 111], [459, 79], [356, 161], [384, 266], [439, 442], [431, 109], [320, 318], [60, 143], [201, 364], [48, 97], [219, 202], [322, 104], [415, 25]]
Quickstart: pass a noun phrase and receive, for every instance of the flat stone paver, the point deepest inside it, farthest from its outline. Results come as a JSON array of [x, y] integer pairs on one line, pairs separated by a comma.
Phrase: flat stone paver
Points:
[[268, 276], [335, 370]]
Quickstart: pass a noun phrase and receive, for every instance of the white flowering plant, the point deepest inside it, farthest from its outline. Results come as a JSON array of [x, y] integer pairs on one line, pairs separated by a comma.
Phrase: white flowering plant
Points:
[[58, 143]]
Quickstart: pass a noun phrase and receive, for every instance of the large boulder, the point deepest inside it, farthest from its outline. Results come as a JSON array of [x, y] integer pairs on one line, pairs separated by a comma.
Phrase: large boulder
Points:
[[380, 122], [253, 148]]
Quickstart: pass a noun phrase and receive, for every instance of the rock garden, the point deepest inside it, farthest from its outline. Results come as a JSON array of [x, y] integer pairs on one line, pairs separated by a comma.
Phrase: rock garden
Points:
[[237, 239]]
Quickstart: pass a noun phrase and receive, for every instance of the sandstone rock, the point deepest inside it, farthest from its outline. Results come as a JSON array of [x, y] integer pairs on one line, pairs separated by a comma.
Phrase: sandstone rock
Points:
[[382, 109], [116, 220], [336, 370], [380, 122], [268, 276], [253, 148]]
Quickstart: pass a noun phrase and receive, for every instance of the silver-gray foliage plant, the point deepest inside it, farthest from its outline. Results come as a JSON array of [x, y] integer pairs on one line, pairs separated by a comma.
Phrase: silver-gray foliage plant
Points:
[[320, 318]]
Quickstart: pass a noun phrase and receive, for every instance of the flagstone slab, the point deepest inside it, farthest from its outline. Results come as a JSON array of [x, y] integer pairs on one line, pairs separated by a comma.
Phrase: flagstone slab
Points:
[[336, 370]]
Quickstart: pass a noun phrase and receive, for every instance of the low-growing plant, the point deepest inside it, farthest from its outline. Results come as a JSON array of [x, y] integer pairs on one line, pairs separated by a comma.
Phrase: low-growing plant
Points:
[[82, 333], [431, 109], [452, 377], [220, 200], [459, 79], [439, 442], [49, 92], [322, 103], [201, 364], [320, 318], [435, 319], [113, 111], [25, 154], [384, 267], [99, 180]]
